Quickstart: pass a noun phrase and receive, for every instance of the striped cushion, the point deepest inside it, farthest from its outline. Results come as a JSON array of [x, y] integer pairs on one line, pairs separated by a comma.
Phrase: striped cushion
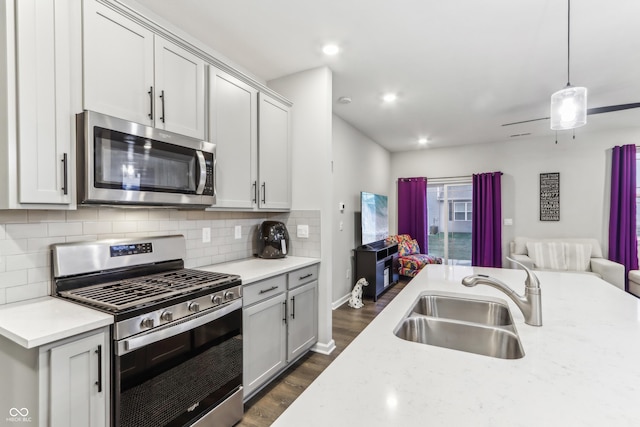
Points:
[[577, 256], [547, 255]]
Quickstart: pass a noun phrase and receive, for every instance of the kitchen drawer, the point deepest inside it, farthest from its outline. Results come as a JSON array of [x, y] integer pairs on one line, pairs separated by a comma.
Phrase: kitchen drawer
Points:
[[302, 276], [264, 289]]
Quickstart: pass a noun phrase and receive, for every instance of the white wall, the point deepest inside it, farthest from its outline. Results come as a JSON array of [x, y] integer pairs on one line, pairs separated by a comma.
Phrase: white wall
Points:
[[359, 164], [311, 118], [583, 163]]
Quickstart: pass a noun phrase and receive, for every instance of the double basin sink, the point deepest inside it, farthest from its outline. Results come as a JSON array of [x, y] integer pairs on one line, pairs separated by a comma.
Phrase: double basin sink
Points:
[[462, 322]]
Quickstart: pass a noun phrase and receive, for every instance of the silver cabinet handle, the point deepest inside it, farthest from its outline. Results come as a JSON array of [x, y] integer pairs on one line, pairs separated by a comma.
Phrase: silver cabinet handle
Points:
[[150, 102], [162, 117], [293, 307], [65, 167], [264, 192], [264, 291], [203, 172]]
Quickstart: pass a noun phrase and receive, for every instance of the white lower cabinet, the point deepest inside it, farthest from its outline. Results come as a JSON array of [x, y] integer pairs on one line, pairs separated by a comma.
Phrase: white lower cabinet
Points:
[[279, 325], [74, 380]]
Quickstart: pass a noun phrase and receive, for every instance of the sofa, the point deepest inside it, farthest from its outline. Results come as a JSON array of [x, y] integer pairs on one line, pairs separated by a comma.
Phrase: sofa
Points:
[[410, 260], [582, 255]]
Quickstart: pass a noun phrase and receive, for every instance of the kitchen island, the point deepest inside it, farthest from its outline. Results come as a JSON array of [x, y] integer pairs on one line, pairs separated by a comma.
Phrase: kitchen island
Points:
[[582, 367]]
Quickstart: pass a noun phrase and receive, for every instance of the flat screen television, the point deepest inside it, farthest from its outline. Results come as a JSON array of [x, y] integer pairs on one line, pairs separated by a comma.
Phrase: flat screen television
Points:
[[374, 217]]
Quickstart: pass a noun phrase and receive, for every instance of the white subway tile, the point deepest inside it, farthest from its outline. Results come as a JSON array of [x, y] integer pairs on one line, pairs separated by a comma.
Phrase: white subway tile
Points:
[[40, 274], [124, 226], [65, 229], [83, 238], [186, 225], [195, 215], [13, 246], [20, 231], [43, 243], [159, 214], [111, 236], [2, 232], [27, 260], [96, 227], [21, 293], [46, 216], [83, 214], [111, 214], [3, 263], [164, 225], [177, 215], [136, 214], [13, 278], [147, 226], [12, 216], [3, 296]]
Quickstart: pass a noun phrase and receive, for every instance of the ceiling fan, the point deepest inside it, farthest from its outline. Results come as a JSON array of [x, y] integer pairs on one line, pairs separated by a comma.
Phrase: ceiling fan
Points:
[[596, 110]]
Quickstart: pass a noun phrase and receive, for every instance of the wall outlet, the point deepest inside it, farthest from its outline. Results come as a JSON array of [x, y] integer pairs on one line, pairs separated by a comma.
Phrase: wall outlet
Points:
[[303, 231], [238, 231], [206, 235], [508, 221]]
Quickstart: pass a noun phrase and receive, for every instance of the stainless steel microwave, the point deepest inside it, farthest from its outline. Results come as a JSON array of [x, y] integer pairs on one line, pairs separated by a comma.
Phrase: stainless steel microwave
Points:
[[121, 162]]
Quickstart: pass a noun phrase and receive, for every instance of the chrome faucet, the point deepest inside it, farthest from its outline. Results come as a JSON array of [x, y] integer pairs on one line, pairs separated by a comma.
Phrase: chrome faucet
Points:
[[530, 304]]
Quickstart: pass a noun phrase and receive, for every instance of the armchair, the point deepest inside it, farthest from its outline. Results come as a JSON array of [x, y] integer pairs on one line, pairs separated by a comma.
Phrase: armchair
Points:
[[410, 260]]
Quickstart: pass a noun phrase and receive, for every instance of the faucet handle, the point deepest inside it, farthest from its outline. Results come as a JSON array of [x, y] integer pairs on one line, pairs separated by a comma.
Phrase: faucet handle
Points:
[[532, 280]]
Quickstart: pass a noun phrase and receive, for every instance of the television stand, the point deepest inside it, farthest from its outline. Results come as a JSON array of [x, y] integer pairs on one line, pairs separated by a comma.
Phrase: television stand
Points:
[[378, 263]]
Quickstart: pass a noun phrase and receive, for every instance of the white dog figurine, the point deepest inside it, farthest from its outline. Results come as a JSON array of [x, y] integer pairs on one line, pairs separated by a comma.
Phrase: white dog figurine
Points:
[[356, 294]]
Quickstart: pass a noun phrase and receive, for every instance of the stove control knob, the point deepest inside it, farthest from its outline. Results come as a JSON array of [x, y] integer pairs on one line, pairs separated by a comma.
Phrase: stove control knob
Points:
[[166, 316], [217, 300], [194, 306], [147, 322], [229, 295]]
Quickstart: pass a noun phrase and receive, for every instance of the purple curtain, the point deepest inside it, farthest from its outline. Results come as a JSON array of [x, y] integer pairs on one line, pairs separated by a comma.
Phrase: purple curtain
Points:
[[412, 210], [486, 221], [623, 243]]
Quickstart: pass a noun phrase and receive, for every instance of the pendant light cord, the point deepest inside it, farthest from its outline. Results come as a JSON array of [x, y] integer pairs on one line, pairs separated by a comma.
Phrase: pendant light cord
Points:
[[568, 43]]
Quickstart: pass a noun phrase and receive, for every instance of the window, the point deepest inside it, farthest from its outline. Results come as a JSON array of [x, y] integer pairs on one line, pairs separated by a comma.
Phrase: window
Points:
[[462, 211]]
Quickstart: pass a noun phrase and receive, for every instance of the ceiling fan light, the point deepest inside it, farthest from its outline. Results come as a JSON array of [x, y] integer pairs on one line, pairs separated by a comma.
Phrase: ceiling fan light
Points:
[[569, 108]]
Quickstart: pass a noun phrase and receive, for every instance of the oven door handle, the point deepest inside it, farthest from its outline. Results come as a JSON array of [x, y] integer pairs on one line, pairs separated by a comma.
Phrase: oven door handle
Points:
[[131, 344]]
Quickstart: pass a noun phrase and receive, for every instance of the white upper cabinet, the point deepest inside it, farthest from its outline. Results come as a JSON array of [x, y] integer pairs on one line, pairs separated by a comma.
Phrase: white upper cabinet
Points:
[[179, 79], [118, 65], [233, 123], [274, 164], [40, 154], [133, 74]]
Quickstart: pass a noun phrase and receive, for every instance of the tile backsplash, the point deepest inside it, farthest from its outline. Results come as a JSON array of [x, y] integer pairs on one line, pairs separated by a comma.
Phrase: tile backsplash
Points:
[[26, 236]]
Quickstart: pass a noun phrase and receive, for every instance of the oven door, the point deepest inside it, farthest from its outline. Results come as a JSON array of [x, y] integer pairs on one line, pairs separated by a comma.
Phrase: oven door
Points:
[[129, 163], [181, 374]]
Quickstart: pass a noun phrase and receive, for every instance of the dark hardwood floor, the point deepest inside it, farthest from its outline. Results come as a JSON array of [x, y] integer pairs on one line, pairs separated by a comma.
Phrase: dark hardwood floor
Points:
[[269, 403]]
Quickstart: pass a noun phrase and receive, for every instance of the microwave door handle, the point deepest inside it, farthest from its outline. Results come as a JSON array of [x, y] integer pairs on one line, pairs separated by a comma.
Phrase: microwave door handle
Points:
[[203, 172]]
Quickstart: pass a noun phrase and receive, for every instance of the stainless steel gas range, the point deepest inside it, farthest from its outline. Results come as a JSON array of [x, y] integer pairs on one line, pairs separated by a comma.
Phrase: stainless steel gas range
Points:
[[177, 333]]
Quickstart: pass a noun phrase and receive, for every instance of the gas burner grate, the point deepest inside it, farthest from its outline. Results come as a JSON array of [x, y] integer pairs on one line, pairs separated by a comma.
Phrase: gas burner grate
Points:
[[122, 294]]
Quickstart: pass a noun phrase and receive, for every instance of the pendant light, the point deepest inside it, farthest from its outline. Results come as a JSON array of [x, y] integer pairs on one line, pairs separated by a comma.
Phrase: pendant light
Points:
[[569, 105]]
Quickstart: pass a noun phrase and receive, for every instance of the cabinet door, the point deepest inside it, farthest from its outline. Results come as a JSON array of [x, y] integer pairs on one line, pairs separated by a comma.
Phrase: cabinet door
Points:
[[264, 342], [233, 125], [179, 95], [45, 117], [303, 319], [274, 154], [79, 385], [118, 65]]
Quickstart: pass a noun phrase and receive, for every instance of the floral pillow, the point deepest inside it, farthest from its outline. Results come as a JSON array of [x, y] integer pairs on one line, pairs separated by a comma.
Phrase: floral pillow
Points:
[[408, 248]]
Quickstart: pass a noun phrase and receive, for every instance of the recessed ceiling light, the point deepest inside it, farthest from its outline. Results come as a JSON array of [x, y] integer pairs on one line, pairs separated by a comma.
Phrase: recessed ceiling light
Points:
[[423, 140], [330, 49], [389, 97]]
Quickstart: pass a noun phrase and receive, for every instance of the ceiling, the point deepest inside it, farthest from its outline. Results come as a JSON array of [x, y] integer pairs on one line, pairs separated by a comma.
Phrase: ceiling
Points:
[[461, 68]]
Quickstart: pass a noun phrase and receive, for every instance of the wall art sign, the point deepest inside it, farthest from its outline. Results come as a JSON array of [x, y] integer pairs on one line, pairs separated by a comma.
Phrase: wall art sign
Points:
[[550, 196]]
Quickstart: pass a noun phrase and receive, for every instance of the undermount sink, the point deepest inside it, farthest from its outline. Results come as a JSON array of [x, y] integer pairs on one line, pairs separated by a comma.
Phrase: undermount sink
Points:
[[464, 323], [463, 309]]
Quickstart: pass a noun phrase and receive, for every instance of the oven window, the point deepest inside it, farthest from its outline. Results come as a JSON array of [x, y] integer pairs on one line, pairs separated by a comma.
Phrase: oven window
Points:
[[130, 162], [179, 379]]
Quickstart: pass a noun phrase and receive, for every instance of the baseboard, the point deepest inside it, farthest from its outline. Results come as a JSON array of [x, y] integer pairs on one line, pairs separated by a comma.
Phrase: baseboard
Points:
[[340, 301], [324, 348]]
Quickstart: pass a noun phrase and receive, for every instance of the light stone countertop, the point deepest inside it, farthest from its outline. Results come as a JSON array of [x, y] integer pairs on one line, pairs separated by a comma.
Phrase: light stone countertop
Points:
[[581, 368], [40, 321], [255, 269]]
